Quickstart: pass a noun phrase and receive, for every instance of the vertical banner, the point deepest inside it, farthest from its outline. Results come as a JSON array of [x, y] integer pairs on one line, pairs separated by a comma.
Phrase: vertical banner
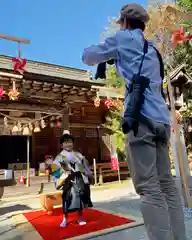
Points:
[[115, 162]]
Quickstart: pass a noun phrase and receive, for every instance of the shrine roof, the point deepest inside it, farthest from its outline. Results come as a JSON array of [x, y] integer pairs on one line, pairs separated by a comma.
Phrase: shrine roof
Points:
[[180, 74], [58, 73]]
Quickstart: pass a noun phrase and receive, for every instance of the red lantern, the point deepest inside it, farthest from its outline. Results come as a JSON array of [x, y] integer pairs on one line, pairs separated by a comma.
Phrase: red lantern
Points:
[[19, 65], [108, 102], [1, 92], [58, 124]]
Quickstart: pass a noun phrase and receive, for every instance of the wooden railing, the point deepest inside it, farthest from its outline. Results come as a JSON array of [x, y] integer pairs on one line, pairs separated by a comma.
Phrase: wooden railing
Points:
[[102, 172]]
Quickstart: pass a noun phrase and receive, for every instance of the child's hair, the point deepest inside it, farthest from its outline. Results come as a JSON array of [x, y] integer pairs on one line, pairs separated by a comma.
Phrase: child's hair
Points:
[[48, 157], [66, 138]]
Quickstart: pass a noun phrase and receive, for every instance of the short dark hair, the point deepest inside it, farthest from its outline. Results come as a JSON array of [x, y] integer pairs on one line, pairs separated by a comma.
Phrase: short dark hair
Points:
[[66, 138], [136, 24]]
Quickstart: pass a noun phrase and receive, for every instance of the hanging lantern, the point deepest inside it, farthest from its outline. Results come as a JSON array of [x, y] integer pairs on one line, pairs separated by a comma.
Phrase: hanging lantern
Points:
[[108, 102], [119, 103], [26, 131], [30, 127], [2, 92], [42, 123], [19, 65], [116, 103], [37, 128], [13, 93], [58, 122], [52, 122], [5, 122], [97, 100], [19, 126], [15, 129]]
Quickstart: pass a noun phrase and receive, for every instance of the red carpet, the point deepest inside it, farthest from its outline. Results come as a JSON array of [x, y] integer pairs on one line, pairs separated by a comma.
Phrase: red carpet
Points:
[[49, 229]]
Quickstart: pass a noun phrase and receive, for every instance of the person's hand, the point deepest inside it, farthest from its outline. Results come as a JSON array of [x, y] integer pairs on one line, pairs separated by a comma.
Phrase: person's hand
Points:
[[178, 116]]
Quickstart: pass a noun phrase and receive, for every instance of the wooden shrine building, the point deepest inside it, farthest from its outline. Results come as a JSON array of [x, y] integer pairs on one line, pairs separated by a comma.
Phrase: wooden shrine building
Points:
[[181, 82], [59, 96]]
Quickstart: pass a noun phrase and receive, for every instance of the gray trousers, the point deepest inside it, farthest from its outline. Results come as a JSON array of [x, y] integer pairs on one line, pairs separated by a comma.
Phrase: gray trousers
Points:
[[149, 164]]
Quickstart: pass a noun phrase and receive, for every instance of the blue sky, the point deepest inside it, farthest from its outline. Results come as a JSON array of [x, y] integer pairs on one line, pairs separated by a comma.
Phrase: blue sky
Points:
[[59, 30]]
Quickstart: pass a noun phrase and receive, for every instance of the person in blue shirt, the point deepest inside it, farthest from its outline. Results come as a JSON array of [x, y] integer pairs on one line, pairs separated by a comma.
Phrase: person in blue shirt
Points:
[[147, 148]]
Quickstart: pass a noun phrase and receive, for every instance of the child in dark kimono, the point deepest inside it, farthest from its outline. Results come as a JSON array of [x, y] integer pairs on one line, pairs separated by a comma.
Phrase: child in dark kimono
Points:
[[73, 176]]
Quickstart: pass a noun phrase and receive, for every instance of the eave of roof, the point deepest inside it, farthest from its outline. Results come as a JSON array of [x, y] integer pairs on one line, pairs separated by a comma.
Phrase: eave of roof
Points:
[[179, 72], [176, 71], [57, 73]]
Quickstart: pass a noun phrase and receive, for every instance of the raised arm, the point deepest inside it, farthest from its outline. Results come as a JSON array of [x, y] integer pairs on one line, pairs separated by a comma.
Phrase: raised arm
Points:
[[101, 53]]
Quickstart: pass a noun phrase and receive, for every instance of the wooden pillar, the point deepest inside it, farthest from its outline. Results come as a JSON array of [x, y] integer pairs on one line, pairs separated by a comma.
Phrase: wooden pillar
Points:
[[100, 155], [33, 161], [65, 120]]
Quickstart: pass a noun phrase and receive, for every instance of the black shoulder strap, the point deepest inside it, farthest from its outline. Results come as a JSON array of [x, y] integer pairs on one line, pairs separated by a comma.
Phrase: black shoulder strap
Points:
[[145, 50], [161, 71], [161, 63]]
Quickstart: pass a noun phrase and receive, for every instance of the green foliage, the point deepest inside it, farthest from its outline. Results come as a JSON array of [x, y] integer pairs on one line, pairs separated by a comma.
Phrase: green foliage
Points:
[[186, 5], [183, 52], [187, 113], [113, 123], [113, 79], [114, 115]]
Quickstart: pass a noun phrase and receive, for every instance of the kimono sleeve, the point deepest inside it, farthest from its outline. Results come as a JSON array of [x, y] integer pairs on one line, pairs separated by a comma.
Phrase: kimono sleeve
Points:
[[86, 166], [57, 160]]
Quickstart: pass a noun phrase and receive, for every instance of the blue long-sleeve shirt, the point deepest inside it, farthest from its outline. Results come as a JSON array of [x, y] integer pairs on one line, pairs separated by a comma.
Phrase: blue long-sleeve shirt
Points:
[[126, 47]]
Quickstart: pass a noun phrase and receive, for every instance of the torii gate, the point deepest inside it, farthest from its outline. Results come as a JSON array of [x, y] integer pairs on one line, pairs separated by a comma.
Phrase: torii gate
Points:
[[17, 40]]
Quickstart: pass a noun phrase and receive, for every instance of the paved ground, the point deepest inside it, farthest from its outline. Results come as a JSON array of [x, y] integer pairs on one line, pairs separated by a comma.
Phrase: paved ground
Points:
[[118, 198]]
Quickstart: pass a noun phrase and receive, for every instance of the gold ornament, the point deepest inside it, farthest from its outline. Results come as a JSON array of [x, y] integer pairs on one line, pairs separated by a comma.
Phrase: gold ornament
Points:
[[97, 100], [5, 122], [30, 127], [37, 128], [42, 123], [26, 131], [13, 93], [15, 129]]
